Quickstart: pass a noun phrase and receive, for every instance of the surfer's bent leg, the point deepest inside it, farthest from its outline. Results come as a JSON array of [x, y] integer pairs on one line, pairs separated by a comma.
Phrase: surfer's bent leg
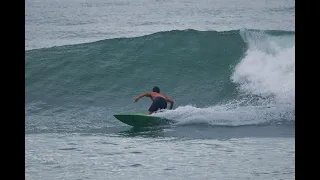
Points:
[[158, 103]]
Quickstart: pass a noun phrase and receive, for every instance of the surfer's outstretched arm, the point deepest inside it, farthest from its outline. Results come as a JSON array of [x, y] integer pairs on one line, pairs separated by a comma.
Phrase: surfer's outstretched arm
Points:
[[142, 95], [170, 101]]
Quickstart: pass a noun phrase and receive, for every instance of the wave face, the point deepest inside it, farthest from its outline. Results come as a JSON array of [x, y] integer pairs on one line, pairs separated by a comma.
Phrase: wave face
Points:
[[229, 78]]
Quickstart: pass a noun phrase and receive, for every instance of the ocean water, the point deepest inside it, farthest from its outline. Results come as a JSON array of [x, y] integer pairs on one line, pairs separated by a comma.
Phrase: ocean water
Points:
[[228, 65]]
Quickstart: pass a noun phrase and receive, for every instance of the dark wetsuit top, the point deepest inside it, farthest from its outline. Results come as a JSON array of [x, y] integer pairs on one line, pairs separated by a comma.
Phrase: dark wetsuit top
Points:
[[158, 103]]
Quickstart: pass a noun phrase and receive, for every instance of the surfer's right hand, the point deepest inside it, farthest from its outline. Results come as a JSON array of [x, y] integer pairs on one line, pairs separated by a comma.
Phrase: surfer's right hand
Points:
[[136, 99]]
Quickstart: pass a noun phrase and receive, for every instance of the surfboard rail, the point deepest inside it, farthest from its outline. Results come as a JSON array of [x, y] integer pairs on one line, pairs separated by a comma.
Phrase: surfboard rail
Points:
[[142, 120]]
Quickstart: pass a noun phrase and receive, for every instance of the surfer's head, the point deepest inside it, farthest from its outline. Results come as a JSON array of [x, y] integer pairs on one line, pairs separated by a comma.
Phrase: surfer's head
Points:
[[156, 89]]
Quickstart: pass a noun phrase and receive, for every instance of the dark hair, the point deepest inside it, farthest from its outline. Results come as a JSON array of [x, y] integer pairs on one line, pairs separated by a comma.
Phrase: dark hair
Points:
[[156, 89]]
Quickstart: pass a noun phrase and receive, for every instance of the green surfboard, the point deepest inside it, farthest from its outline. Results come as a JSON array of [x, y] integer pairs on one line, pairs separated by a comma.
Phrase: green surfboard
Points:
[[142, 120]]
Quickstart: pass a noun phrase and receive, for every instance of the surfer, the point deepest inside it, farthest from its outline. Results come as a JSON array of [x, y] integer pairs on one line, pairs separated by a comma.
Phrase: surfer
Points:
[[159, 100]]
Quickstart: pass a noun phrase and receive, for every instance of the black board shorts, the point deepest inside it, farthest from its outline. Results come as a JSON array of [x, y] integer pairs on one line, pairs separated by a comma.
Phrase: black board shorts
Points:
[[158, 103]]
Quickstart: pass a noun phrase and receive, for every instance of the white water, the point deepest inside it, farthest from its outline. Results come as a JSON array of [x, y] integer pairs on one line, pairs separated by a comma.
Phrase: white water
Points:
[[268, 68], [265, 77]]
